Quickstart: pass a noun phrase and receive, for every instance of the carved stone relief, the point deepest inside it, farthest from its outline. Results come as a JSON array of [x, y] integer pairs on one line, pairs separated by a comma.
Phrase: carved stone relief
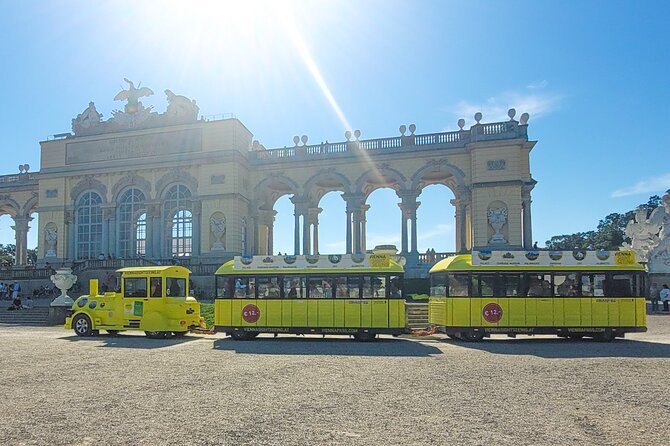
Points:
[[217, 228]]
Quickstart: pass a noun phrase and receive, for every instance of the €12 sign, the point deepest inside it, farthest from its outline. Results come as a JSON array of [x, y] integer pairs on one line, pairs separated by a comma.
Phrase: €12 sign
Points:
[[492, 313], [251, 313]]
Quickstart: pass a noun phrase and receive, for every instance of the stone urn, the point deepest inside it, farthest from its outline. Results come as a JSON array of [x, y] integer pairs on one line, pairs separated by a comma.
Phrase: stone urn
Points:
[[63, 279]]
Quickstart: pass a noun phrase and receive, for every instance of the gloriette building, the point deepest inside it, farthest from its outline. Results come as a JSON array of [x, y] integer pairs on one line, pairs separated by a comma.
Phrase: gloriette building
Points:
[[153, 186]]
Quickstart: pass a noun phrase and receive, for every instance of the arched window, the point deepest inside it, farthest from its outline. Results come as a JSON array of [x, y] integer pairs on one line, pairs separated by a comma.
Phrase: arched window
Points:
[[88, 217], [180, 220], [141, 234], [129, 209], [181, 234]]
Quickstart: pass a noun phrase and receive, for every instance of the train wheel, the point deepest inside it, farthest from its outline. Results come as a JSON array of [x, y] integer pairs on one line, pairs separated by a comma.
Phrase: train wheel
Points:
[[82, 325], [365, 336], [606, 336], [179, 334], [112, 332], [454, 336], [472, 335], [156, 334], [239, 335]]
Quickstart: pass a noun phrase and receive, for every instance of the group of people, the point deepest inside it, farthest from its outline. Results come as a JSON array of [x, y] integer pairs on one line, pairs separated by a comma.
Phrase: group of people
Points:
[[662, 295], [12, 292]]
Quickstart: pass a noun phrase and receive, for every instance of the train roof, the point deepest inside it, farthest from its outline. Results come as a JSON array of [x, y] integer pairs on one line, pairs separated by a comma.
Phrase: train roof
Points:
[[539, 261], [158, 269], [320, 264]]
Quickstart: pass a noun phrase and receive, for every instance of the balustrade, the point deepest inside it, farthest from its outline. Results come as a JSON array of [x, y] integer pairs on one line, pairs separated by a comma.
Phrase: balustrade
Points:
[[496, 130]]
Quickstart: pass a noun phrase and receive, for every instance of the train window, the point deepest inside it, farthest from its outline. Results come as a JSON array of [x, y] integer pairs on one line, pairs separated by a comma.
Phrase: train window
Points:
[[395, 287], [512, 284], [225, 286], [566, 285], [537, 285], [438, 285], [294, 287], [135, 287], [587, 285], [245, 287], [268, 287], [458, 285], [619, 285], [374, 286], [155, 287], [354, 287], [341, 288], [598, 285], [176, 287], [497, 285], [319, 288]]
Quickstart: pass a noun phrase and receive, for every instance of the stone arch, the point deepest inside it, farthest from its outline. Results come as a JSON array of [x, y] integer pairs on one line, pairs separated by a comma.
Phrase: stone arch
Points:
[[88, 184], [30, 205], [175, 176], [326, 181], [381, 176], [273, 187], [438, 172], [9, 206], [131, 181]]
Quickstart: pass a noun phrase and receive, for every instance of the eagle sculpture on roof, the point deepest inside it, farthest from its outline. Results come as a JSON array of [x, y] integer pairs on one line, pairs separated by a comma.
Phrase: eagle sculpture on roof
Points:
[[132, 95]]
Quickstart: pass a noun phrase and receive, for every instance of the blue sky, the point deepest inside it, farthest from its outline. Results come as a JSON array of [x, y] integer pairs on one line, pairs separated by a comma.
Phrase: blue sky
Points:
[[593, 76]]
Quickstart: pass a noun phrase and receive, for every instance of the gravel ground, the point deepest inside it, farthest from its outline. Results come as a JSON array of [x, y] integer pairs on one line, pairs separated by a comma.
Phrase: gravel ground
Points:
[[200, 390]]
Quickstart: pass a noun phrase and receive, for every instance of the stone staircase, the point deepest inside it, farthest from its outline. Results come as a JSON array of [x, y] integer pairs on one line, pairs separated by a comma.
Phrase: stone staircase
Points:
[[38, 316], [416, 315]]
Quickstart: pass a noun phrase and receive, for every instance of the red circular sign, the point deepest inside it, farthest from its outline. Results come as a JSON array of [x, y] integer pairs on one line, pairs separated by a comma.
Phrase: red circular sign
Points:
[[492, 312], [251, 313]]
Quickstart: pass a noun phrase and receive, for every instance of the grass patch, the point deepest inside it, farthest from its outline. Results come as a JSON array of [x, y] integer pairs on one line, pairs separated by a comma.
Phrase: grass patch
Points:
[[207, 311]]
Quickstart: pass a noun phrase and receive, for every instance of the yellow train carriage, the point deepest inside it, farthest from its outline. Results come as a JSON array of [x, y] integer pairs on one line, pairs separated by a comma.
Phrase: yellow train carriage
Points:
[[596, 294], [357, 295], [153, 299]]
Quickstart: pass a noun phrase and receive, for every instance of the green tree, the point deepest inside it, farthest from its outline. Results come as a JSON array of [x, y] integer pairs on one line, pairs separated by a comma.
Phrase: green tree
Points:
[[610, 233]]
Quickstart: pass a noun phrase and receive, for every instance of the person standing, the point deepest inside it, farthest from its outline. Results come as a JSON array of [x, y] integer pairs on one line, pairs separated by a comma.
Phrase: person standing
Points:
[[16, 289], [665, 297], [654, 296]]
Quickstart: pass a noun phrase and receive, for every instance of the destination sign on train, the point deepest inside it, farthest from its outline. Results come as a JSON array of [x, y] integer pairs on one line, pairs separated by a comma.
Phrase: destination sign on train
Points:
[[536, 257]]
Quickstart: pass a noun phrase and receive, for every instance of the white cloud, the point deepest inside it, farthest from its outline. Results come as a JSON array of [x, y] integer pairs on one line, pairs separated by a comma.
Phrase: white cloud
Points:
[[537, 85], [495, 108], [657, 184]]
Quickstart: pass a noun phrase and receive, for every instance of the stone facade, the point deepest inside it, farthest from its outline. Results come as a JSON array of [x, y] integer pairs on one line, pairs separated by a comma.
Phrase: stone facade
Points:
[[171, 184]]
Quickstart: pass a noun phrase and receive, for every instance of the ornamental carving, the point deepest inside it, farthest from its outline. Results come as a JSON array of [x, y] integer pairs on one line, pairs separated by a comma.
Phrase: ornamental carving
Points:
[[176, 176], [497, 218], [132, 181], [89, 183]]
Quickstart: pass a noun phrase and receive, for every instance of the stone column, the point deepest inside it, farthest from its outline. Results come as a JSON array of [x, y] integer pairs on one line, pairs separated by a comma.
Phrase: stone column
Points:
[[300, 206], [354, 215], [463, 200], [349, 235], [108, 214], [196, 231], [527, 221], [403, 229], [313, 229], [408, 206], [269, 220], [457, 223], [20, 228], [69, 249], [153, 213], [364, 209]]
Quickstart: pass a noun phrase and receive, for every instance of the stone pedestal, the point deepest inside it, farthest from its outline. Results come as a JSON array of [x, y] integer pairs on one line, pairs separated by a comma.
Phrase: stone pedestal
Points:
[[58, 314]]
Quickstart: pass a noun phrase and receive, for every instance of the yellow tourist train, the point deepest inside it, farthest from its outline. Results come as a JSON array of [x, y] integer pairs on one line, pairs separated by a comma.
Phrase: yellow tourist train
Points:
[[359, 295], [153, 299], [573, 294]]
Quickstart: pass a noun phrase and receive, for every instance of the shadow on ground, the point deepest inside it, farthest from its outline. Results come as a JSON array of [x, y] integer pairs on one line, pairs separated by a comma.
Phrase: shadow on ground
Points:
[[327, 346], [131, 341], [568, 348]]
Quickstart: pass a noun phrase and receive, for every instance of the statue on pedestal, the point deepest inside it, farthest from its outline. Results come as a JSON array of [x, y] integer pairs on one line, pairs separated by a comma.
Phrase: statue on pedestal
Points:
[[218, 228], [51, 237]]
